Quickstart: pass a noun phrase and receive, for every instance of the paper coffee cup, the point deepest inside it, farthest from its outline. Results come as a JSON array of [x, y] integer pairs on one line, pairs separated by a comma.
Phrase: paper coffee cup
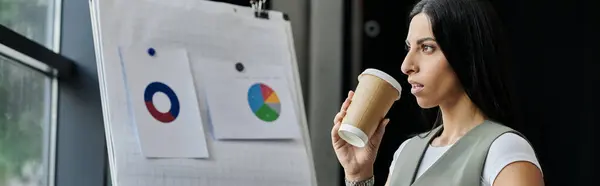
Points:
[[374, 96]]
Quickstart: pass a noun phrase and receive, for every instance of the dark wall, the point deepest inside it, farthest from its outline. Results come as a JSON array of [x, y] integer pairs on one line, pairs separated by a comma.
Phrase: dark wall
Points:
[[555, 55], [81, 149]]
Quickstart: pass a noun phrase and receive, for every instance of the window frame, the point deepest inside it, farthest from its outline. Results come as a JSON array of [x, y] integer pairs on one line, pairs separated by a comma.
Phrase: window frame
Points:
[[56, 67], [57, 25], [35, 56], [76, 114]]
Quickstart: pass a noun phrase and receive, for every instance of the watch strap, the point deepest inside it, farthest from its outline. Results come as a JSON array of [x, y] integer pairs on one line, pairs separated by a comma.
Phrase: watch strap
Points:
[[367, 182]]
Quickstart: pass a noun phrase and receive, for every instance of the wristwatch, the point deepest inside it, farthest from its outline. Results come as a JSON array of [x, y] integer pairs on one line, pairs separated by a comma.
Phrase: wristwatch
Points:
[[368, 182]]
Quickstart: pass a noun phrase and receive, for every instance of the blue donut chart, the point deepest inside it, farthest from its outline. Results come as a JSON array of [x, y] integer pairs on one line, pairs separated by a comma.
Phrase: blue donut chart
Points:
[[173, 112]]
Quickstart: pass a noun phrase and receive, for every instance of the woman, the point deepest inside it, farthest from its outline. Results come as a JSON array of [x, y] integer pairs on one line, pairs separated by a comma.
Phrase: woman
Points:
[[454, 64]]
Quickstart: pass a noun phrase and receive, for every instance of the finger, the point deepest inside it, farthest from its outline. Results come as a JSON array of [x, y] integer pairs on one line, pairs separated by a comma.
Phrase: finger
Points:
[[335, 137], [334, 131], [378, 135], [346, 104], [338, 117], [381, 128]]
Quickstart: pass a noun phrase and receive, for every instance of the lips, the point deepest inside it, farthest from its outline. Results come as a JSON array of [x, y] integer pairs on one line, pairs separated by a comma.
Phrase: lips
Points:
[[416, 87]]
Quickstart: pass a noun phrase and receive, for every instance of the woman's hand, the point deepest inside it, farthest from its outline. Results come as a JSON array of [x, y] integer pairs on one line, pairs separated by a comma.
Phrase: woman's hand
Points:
[[357, 162]]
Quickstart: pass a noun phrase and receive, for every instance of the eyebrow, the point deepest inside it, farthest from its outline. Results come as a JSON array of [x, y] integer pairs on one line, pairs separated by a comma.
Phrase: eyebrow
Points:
[[420, 41]]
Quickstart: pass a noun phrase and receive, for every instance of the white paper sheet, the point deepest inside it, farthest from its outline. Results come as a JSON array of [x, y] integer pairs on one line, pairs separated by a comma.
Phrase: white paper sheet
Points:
[[163, 101], [254, 103]]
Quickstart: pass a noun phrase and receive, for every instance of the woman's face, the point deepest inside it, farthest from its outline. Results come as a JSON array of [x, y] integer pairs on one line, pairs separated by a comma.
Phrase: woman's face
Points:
[[433, 80]]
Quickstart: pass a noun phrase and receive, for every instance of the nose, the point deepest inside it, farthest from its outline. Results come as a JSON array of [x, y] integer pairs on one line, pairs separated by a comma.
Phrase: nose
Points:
[[408, 65]]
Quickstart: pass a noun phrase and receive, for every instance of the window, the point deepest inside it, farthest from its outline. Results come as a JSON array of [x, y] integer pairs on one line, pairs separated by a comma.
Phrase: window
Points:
[[25, 103], [34, 19], [27, 106]]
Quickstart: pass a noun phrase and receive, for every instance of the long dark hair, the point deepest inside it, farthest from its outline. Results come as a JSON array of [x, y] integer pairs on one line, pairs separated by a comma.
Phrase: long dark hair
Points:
[[470, 35]]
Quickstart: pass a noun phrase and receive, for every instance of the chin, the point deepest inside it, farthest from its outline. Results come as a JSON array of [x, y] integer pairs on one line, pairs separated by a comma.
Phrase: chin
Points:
[[425, 104]]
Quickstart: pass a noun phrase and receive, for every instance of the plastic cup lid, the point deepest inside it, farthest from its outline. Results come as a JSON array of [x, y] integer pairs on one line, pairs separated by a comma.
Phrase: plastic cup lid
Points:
[[354, 136], [384, 76]]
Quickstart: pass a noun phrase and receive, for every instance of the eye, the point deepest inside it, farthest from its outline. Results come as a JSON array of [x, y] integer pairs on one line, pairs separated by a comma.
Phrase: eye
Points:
[[428, 49]]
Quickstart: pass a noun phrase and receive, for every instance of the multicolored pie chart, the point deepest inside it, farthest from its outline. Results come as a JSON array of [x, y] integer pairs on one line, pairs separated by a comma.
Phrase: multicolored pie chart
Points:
[[264, 102]]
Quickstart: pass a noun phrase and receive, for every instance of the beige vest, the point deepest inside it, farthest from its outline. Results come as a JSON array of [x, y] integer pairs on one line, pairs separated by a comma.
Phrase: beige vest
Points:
[[461, 165]]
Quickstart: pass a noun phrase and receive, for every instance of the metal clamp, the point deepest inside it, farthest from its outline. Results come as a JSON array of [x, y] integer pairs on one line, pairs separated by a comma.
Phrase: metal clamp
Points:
[[259, 8]]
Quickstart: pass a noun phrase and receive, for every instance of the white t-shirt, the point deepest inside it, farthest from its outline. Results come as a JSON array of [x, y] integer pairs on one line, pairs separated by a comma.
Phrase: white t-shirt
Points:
[[506, 149]]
